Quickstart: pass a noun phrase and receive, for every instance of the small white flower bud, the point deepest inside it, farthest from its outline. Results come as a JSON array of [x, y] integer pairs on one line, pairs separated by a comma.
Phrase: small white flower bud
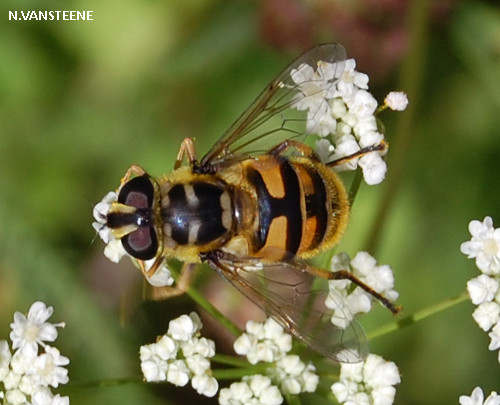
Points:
[[396, 100]]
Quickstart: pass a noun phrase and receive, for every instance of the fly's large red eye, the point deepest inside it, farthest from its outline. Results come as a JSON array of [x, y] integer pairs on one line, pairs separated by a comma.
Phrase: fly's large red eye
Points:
[[143, 242], [138, 192]]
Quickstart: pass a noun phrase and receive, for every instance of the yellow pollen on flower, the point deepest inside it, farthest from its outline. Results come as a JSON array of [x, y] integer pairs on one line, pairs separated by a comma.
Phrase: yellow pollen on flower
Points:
[[32, 333], [490, 247], [47, 369]]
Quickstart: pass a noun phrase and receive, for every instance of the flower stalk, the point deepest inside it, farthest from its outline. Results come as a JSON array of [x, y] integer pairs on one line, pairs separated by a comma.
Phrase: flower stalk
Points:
[[417, 316]]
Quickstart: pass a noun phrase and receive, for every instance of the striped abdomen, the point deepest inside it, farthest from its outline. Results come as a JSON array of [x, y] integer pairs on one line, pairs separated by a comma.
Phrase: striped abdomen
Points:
[[303, 206]]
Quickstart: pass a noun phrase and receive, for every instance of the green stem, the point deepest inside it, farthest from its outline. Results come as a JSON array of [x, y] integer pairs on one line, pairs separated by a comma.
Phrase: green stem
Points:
[[207, 306], [293, 399], [112, 382], [356, 182], [238, 373], [329, 376], [418, 316], [219, 374], [177, 270], [229, 360]]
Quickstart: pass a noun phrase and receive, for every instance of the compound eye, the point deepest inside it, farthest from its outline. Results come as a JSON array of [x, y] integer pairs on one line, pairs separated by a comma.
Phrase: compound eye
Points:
[[138, 192], [141, 243]]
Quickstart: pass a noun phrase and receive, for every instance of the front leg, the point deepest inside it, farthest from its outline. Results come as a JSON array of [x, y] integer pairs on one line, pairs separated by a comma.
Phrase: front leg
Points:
[[135, 170], [181, 286], [379, 147], [302, 148], [186, 149], [346, 275]]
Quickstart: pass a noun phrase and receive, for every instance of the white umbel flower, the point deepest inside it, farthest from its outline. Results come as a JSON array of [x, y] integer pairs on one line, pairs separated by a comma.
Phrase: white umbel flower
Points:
[[178, 373], [45, 397], [181, 356], [114, 250], [340, 108], [5, 357], [256, 389], [184, 327], [484, 246], [162, 276], [369, 382], [477, 398], [346, 305], [15, 397], [100, 212], [396, 100], [27, 373], [28, 332], [49, 368], [486, 315], [484, 290], [295, 376], [495, 337], [238, 393], [267, 342], [205, 385], [374, 168], [153, 366], [263, 342]]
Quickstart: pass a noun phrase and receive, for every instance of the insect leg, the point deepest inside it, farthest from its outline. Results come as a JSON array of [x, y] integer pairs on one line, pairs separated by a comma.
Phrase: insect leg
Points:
[[363, 151], [304, 150], [343, 275], [186, 149], [182, 285], [148, 272], [132, 170]]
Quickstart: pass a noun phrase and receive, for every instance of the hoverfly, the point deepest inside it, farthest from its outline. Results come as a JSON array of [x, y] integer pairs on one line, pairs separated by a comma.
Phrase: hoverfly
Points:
[[254, 212]]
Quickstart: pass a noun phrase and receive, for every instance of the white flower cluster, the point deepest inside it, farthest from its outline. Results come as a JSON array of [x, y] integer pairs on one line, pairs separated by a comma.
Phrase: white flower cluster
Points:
[[346, 303], [368, 382], [341, 110], [114, 250], [263, 342], [484, 246], [181, 355], [477, 398], [294, 375], [267, 342], [484, 290], [252, 390], [34, 367]]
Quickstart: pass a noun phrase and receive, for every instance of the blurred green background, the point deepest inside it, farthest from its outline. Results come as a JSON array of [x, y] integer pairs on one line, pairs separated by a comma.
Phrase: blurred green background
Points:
[[80, 101]]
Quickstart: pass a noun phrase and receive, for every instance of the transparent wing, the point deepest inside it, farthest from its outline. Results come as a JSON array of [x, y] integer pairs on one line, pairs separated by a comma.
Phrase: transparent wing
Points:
[[294, 298], [276, 114]]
